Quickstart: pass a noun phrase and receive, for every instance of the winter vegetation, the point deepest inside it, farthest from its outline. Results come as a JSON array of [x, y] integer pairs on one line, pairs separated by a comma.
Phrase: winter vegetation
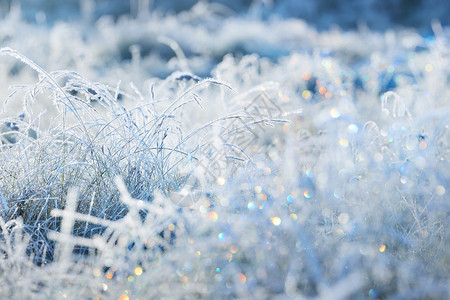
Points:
[[214, 149]]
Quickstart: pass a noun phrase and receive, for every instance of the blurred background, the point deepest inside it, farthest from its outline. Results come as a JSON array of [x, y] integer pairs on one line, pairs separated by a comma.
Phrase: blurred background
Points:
[[322, 14]]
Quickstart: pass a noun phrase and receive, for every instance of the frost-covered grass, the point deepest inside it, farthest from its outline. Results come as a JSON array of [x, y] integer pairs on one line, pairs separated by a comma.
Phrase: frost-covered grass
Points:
[[180, 156]]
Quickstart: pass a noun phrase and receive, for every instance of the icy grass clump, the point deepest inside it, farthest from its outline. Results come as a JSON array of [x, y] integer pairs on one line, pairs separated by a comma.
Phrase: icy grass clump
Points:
[[88, 141], [318, 170]]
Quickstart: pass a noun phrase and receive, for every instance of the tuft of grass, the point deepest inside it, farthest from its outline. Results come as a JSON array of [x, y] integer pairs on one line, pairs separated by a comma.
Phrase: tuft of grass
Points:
[[91, 140]]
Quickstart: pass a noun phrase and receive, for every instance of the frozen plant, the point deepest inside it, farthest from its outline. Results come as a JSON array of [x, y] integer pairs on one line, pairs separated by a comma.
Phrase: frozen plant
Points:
[[311, 165]]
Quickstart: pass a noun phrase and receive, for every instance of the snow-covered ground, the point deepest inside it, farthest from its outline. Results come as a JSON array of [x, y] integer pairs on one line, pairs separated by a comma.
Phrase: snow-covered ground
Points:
[[229, 149]]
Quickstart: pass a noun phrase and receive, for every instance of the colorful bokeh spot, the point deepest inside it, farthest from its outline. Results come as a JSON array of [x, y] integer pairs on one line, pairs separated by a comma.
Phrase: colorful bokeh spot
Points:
[[352, 128], [423, 145], [220, 181], [306, 94], [306, 76], [334, 113], [138, 271], [290, 198], [242, 278], [307, 194], [276, 221], [343, 143], [322, 90], [213, 216], [440, 190]]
